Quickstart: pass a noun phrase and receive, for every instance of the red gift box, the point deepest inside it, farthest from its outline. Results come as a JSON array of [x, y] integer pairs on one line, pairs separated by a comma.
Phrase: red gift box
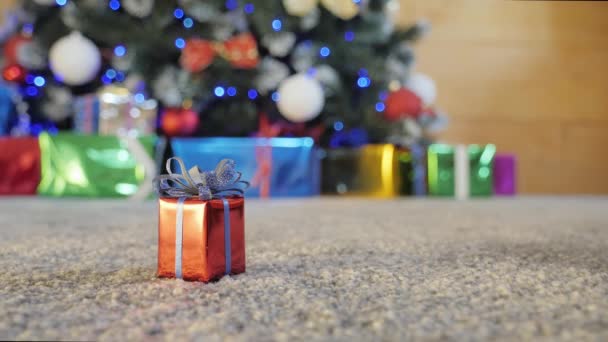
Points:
[[212, 239], [19, 166]]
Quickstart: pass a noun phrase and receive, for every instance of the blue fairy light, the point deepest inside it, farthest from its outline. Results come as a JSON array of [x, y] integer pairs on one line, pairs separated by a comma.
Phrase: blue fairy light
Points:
[[275, 96], [277, 25], [111, 73], [114, 5], [363, 82], [188, 22], [357, 1], [61, 2], [312, 71], [120, 50], [31, 91], [252, 94], [232, 4], [105, 79], [29, 79], [338, 126], [380, 107], [180, 43], [231, 91], [39, 81], [219, 91], [120, 76], [249, 8], [178, 13], [349, 36], [28, 29], [363, 72], [139, 98], [324, 51], [383, 95]]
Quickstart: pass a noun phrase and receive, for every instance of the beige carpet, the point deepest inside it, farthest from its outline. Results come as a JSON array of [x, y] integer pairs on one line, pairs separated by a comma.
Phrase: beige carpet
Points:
[[318, 269]]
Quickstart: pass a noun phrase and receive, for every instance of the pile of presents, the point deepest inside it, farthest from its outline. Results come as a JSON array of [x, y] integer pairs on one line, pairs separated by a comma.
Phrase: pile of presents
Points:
[[69, 164]]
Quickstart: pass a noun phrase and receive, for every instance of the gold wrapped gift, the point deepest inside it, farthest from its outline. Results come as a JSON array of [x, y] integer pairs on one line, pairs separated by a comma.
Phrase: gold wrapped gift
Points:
[[371, 170]]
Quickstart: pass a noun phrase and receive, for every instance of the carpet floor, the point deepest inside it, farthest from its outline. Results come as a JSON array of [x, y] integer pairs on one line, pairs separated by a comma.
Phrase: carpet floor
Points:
[[317, 269]]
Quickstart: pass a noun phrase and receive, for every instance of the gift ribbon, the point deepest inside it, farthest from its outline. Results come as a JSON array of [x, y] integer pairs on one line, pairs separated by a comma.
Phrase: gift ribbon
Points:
[[207, 185]]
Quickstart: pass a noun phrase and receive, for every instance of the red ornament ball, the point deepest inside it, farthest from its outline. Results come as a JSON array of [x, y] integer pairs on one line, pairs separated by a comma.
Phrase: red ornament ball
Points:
[[14, 73], [179, 121], [12, 46], [402, 103]]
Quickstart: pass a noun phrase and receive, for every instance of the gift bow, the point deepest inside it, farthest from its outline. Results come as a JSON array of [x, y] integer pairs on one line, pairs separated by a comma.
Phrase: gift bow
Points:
[[241, 51], [206, 185]]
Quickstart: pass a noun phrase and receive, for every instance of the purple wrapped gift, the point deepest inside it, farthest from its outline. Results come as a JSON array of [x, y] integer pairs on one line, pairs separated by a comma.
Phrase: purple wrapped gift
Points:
[[505, 170]]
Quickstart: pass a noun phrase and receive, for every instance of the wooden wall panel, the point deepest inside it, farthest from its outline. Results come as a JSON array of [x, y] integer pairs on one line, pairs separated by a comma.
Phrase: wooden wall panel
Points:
[[530, 76]]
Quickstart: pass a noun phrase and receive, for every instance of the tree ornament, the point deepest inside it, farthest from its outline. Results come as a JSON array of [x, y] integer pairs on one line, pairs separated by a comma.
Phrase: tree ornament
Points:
[[343, 9], [279, 44], [270, 75], [400, 104], [241, 51], [301, 98], [423, 86], [197, 55], [13, 45], [179, 121], [138, 8], [75, 59], [304, 56], [31, 56], [13, 73], [299, 8], [166, 87]]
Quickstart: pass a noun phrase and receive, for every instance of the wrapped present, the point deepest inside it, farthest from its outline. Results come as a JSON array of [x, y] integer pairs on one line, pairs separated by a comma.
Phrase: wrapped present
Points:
[[19, 165], [371, 170], [201, 229], [505, 174], [96, 166], [276, 166], [460, 170], [114, 111]]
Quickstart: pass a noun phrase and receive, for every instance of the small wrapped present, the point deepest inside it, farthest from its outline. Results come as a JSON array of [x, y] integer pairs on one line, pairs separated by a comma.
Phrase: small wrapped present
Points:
[[460, 170], [201, 229], [371, 170], [505, 181], [97, 166], [19, 165], [114, 111], [276, 166]]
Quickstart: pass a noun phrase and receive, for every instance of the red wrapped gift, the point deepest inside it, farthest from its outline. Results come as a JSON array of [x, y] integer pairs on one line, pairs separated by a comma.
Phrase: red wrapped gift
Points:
[[19, 166], [201, 230]]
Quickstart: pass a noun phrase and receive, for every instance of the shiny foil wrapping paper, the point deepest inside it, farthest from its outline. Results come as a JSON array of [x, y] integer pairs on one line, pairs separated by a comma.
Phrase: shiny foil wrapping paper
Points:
[[505, 170], [442, 178], [371, 170], [203, 255], [275, 167], [91, 166], [114, 111], [19, 166]]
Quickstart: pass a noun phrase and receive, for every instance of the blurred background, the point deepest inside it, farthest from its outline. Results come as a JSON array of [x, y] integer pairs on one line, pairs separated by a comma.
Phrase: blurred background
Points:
[[527, 79]]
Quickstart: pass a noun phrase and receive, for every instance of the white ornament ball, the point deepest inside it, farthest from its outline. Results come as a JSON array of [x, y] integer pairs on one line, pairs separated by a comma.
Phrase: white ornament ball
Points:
[[301, 98], [299, 8], [423, 86], [75, 59]]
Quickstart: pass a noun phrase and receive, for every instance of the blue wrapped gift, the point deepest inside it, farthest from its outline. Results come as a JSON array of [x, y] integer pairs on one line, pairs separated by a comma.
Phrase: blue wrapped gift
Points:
[[275, 167]]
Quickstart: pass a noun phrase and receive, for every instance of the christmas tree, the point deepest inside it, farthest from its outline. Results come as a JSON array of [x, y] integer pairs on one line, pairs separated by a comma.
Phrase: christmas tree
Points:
[[338, 70]]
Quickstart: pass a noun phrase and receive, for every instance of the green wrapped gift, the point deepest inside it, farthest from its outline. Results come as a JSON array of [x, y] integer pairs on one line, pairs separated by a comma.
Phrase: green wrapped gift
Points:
[[461, 170], [96, 166]]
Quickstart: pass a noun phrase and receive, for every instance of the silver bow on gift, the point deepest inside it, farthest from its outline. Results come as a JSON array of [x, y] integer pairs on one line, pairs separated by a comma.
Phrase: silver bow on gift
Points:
[[221, 182]]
